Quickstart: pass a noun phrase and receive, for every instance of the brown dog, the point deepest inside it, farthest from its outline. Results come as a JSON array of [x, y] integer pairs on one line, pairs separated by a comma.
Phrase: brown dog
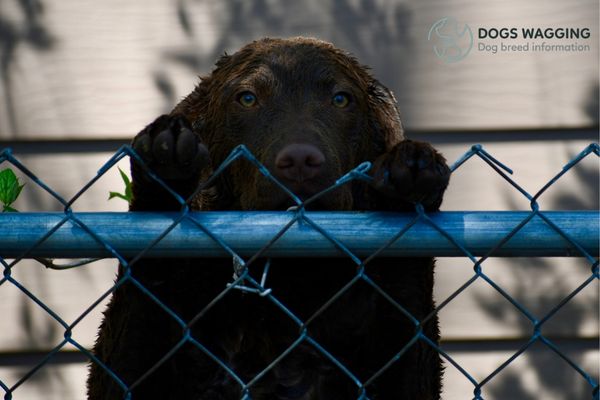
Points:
[[309, 112]]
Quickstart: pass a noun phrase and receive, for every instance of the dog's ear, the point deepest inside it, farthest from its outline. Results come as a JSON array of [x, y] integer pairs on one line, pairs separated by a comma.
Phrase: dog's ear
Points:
[[384, 117]]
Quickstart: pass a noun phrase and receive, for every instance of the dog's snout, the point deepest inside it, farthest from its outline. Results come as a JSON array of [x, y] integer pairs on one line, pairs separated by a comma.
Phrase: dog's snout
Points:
[[299, 162]]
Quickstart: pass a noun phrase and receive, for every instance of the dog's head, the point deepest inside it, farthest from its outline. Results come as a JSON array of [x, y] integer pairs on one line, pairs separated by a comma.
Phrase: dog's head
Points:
[[308, 111]]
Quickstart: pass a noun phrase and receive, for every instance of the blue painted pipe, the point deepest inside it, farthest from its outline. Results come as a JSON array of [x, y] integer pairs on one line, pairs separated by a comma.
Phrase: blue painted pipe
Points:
[[363, 233]]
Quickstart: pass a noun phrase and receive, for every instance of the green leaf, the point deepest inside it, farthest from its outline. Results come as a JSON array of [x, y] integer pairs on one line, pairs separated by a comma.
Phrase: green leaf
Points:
[[128, 195], [10, 188], [128, 191], [112, 195]]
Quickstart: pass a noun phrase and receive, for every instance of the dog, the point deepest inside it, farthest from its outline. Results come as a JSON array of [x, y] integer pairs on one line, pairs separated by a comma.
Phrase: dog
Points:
[[309, 112]]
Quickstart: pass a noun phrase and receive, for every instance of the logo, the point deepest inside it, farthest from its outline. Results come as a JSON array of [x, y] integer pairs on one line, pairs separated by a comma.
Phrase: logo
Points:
[[451, 42]]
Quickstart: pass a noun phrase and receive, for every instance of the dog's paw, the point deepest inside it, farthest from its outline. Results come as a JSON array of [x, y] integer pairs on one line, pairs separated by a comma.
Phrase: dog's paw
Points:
[[412, 172], [170, 149]]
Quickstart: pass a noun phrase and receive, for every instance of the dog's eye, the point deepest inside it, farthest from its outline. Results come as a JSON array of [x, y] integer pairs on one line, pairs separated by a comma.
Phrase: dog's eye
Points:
[[341, 100], [247, 99]]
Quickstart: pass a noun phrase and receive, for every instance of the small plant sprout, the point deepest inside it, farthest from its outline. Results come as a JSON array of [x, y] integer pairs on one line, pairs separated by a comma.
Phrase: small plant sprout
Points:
[[127, 196]]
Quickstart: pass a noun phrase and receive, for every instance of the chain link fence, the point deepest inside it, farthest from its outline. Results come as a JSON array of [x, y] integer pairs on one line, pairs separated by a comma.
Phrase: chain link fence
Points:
[[128, 237]]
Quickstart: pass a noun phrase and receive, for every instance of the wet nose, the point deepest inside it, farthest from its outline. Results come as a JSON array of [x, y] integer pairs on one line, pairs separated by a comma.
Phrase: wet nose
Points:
[[299, 162]]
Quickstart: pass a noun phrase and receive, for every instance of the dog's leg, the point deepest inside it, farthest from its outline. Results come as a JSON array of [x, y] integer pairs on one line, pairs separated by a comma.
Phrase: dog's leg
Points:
[[137, 332], [410, 173]]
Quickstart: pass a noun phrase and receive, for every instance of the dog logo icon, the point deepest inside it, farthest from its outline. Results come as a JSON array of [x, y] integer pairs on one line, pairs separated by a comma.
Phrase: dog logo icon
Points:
[[451, 41]]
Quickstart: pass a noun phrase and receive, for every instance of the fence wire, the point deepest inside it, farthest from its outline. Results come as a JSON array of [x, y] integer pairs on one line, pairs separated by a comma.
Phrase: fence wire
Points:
[[242, 279]]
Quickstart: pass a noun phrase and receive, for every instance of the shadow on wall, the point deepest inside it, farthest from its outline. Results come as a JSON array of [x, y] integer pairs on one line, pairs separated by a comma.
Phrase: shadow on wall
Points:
[[26, 30], [375, 32], [535, 283], [31, 32], [554, 375]]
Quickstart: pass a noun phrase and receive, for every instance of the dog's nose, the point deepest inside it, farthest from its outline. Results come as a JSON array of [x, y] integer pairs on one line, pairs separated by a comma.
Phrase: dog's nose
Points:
[[299, 162]]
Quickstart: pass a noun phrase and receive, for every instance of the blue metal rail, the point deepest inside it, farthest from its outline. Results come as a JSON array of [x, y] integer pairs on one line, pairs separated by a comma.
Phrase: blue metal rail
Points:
[[26, 234]]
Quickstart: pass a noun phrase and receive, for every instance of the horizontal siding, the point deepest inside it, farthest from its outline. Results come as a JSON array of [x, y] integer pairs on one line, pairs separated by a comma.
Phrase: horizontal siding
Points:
[[108, 72], [538, 374], [464, 137]]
